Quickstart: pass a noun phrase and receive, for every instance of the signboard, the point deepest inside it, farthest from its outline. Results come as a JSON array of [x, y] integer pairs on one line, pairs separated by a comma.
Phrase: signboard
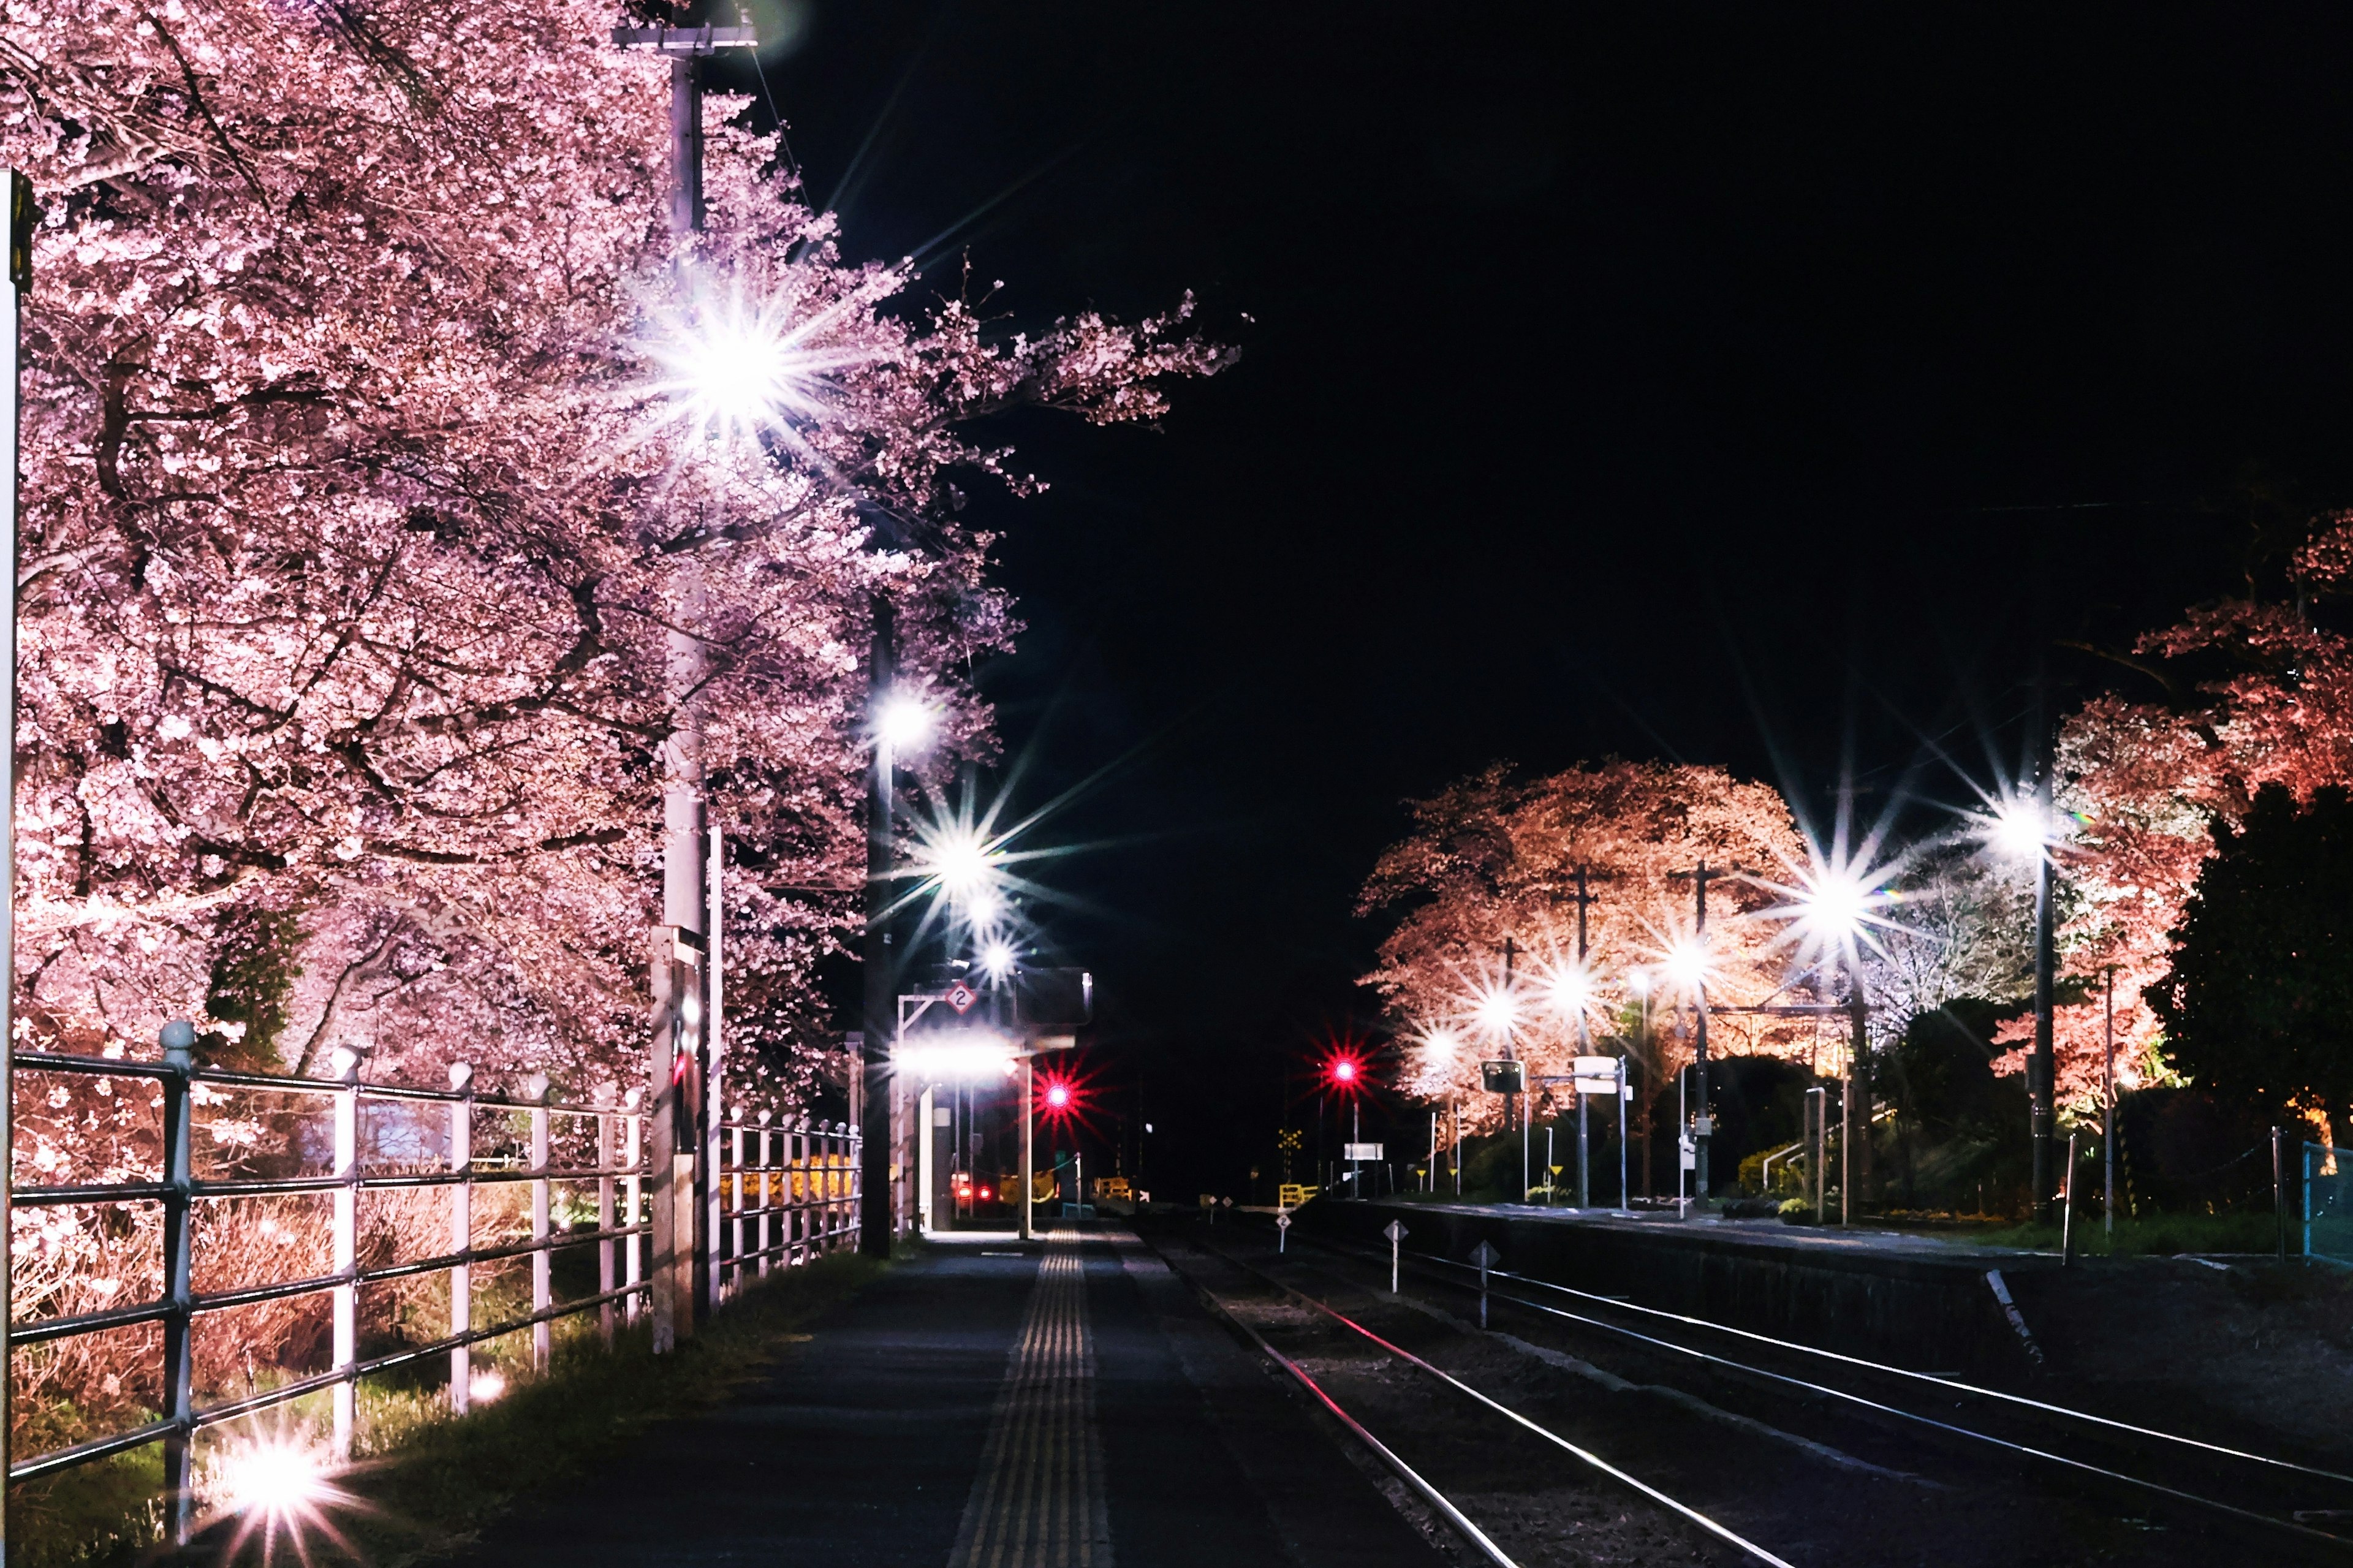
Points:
[[1291, 1194], [1394, 1230], [961, 996], [1360, 1151], [1503, 1078], [1599, 1075], [1486, 1256], [1689, 1153]]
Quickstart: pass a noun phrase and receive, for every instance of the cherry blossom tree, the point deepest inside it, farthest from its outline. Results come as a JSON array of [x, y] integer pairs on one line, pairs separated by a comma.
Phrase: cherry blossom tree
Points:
[[1494, 857], [2143, 784], [367, 475], [378, 440]]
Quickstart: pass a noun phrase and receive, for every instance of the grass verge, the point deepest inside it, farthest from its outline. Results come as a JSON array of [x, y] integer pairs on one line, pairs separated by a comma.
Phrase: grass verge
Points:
[[2153, 1235], [433, 1481]]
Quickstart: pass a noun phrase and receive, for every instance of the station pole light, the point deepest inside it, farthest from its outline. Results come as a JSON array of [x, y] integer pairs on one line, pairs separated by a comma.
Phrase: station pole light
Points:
[[2021, 827], [1343, 1075]]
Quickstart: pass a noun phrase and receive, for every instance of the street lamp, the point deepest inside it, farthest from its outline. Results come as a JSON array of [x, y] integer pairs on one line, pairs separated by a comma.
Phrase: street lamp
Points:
[[2021, 827]]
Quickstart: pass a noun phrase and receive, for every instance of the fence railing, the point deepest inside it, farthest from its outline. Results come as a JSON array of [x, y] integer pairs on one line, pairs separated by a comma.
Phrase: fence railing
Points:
[[2327, 1205], [792, 1198]]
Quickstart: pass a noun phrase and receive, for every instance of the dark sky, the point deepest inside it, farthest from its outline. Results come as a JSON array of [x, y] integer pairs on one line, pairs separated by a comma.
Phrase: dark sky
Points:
[[1735, 384]]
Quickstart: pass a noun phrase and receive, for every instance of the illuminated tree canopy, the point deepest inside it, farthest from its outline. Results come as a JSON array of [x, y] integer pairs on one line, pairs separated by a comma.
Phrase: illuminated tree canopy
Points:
[[361, 495]]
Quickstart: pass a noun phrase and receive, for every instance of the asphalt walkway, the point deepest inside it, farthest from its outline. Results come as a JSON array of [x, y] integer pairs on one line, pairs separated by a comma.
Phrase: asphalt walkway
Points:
[[1066, 1404]]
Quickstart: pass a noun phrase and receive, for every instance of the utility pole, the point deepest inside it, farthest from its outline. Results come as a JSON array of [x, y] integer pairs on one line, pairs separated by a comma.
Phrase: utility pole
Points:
[[1858, 1081], [680, 973], [1584, 1042], [16, 282], [874, 1227], [1704, 1126], [2108, 1111], [1516, 1102], [2041, 1069]]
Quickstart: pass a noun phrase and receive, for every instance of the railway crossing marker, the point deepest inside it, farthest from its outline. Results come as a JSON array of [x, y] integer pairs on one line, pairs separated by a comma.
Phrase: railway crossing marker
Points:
[[1396, 1232], [1281, 1230], [1486, 1256]]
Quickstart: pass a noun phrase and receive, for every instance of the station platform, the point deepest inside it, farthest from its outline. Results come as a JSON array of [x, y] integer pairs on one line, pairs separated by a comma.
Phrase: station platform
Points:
[[1912, 1299], [991, 1403]]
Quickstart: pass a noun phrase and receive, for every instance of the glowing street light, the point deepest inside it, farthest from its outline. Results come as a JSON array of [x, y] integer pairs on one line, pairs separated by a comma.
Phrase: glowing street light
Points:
[[1572, 989], [1686, 964], [903, 723], [2018, 828], [733, 369], [998, 960], [1440, 1043], [1498, 1010]]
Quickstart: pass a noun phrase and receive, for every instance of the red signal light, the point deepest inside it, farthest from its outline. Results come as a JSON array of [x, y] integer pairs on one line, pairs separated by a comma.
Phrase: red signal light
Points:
[[1058, 1097], [1344, 1071]]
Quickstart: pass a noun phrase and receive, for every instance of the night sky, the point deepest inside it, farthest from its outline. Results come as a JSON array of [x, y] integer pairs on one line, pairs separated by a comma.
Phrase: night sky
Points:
[[1720, 384]]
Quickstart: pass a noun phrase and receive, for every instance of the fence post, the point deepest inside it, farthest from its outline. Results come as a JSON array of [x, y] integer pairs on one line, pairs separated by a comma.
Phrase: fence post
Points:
[[346, 1063], [856, 1183], [833, 1180], [542, 1332], [735, 1243], [179, 1039], [633, 1195], [2279, 1194], [2307, 1198], [605, 1153], [461, 1237], [767, 1189], [797, 1191]]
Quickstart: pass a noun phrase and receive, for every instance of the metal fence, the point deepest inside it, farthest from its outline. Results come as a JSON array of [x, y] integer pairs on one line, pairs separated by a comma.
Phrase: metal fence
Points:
[[778, 1195], [2328, 1206]]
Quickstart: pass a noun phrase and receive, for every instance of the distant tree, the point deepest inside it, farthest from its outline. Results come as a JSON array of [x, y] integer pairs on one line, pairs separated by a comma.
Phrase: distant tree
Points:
[[1495, 858], [2259, 692], [2258, 1007]]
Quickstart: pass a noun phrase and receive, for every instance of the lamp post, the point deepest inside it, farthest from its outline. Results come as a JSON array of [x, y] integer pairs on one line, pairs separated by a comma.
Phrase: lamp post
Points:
[[2022, 826], [681, 968], [875, 1220]]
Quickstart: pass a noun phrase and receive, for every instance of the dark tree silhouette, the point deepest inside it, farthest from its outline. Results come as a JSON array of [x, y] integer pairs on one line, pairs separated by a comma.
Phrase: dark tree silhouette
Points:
[[2258, 1008]]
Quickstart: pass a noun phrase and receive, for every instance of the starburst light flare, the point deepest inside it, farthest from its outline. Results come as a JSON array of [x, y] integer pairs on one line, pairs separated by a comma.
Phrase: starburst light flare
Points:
[[731, 369], [2017, 828], [998, 960], [903, 723], [1686, 964], [1571, 983], [1440, 1043], [1498, 1009], [276, 1486]]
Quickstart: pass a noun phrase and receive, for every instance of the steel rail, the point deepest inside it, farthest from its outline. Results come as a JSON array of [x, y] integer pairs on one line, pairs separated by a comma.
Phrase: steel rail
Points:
[[1453, 1516], [1721, 1532], [2041, 1407], [2028, 1450]]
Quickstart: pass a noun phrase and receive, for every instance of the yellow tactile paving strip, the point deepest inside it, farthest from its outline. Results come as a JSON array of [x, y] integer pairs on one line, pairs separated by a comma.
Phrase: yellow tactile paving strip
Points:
[[1037, 1501]]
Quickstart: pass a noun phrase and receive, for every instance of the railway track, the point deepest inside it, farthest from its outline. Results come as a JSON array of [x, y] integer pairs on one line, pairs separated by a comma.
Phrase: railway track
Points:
[[1987, 1437], [1446, 1507]]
